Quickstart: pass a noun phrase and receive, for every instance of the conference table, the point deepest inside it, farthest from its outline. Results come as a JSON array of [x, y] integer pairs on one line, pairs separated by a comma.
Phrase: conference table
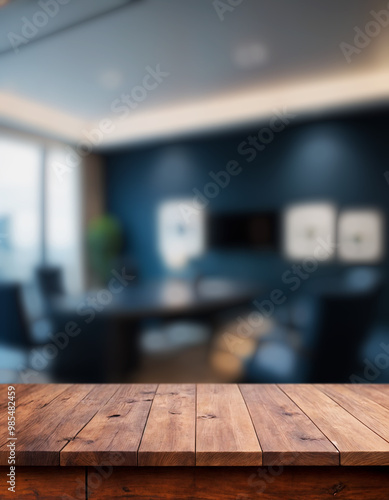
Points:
[[165, 300], [168, 298]]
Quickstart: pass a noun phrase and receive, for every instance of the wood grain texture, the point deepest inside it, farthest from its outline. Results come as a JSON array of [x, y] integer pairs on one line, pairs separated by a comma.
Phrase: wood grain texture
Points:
[[113, 435], [370, 413], [225, 434], [170, 434], [287, 436], [378, 393], [22, 390], [29, 399], [241, 483], [357, 444], [45, 483], [215, 425], [53, 425]]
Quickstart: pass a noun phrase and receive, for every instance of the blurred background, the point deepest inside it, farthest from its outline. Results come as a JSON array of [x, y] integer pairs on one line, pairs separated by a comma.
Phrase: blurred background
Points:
[[194, 191]]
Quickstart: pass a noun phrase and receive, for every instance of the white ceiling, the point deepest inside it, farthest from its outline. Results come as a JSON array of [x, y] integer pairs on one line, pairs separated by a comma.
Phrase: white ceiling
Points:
[[63, 83]]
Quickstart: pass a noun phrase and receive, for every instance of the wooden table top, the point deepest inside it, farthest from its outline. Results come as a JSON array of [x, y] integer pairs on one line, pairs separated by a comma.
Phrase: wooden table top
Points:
[[202, 425]]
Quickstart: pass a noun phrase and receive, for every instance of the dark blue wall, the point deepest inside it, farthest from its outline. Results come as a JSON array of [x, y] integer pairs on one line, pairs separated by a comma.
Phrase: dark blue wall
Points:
[[341, 159]]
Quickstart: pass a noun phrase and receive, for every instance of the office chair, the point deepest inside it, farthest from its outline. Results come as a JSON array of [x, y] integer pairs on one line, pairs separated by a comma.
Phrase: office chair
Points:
[[329, 319], [50, 280], [344, 315], [15, 343]]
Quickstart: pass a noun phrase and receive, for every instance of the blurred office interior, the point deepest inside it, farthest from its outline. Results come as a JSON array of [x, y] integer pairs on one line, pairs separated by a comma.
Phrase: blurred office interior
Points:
[[194, 191]]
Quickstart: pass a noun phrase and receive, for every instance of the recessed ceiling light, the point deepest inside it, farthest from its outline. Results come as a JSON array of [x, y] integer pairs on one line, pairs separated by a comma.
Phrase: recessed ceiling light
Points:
[[250, 55], [111, 79], [3, 2]]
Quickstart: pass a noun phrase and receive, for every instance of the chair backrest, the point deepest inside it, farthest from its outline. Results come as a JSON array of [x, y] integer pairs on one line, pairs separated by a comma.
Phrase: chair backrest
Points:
[[342, 323], [13, 324], [50, 281]]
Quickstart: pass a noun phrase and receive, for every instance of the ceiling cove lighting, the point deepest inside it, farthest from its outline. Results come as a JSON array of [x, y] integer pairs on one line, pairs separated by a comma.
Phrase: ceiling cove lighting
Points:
[[215, 112]]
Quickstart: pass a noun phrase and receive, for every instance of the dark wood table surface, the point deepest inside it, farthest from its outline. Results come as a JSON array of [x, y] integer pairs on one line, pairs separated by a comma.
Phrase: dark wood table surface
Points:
[[165, 300], [168, 298], [180, 432]]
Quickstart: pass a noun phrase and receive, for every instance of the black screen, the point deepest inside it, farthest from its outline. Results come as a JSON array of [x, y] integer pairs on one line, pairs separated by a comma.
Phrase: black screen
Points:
[[248, 230]]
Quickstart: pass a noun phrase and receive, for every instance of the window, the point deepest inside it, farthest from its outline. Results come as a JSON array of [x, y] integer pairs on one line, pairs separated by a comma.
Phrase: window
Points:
[[20, 202], [63, 220], [40, 216]]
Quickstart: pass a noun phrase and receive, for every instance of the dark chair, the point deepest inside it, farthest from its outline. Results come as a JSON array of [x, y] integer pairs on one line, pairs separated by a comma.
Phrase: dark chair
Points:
[[23, 359], [344, 314], [47, 287], [320, 335], [14, 338], [81, 358], [13, 323], [23, 355], [50, 281]]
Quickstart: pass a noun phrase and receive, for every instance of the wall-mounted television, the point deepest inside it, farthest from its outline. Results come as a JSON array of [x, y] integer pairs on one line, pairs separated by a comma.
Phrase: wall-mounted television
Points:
[[254, 231]]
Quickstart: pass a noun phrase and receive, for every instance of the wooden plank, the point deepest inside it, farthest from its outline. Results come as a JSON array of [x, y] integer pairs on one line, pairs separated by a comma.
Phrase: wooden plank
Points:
[[29, 398], [240, 483], [357, 444], [38, 395], [170, 434], [225, 434], [287, 436], [113, 435], [370, 413], [45, 483], [53, 425], [21, 390], [379, 393]]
